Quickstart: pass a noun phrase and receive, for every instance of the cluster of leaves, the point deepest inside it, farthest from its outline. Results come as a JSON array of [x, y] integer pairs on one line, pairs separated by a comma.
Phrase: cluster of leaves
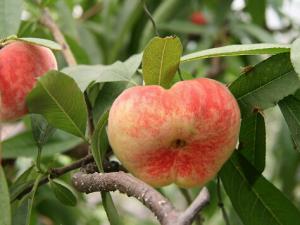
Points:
[[59, 97]]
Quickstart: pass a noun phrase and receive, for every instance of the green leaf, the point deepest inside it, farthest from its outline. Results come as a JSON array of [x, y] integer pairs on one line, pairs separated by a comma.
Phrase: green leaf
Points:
[[295, 55], [128, 15], [109, 92], [100, 141], [133, 63], [181, 26], [10, 17], [236, 50], [16, 190], [256, 31], [257, 9], [5, 218], [20, 211], [29, 174], [265, 84], [99, 147], [58, 98], [161, 60], [24, 181], [31, 198], [43, 42], [259, 202], [110, 209], [118, 71], [78, 51], [23, 145], [290, 108], [252, 141], [63, 192], [41, 129]]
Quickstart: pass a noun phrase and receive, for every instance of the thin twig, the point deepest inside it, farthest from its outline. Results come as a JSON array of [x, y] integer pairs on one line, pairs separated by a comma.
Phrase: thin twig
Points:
[[150, 17], [217, 68], [47, 20], [57, 172], [189, 200], [189, 215], [220, 202], [91, 125], [94, 10], [179, 74]]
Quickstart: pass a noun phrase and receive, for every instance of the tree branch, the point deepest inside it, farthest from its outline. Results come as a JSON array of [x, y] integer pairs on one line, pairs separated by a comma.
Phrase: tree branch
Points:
[[94, 10], [55, 173], [152, 199], [47, 20], [197, 205]]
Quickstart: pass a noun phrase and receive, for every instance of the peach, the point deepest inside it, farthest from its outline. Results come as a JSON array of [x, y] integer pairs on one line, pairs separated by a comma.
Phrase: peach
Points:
[[198, 18], [20, 65], [182, 135]]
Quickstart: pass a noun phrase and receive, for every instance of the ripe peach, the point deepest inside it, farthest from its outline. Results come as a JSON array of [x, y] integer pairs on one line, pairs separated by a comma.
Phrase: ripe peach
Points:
[[182, 135], [20, 64], [198, 18]]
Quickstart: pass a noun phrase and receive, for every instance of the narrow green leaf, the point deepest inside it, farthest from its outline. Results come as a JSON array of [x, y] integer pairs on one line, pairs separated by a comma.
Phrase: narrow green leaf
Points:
[[58, 98], [266, 84], [118, 71], [63, 192], [128, 15], [290, 108], [23, 145], [258, 202], [110, 209], [257, 10], [20, 211], [24, 181], [252, 142], [235, 50], [41, 129], [5, 212], [133, 63], [161, 60], [295, 55], [43, 42], [10, 17], [99, 147], [181, 26], [29, 174], [31, 198], [16, 190], [100, 141], [255, 31]]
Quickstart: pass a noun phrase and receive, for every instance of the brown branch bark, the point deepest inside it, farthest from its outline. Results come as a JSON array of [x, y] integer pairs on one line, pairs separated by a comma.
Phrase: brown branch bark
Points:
[[47, 20], [94, 10], [152, 199]]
